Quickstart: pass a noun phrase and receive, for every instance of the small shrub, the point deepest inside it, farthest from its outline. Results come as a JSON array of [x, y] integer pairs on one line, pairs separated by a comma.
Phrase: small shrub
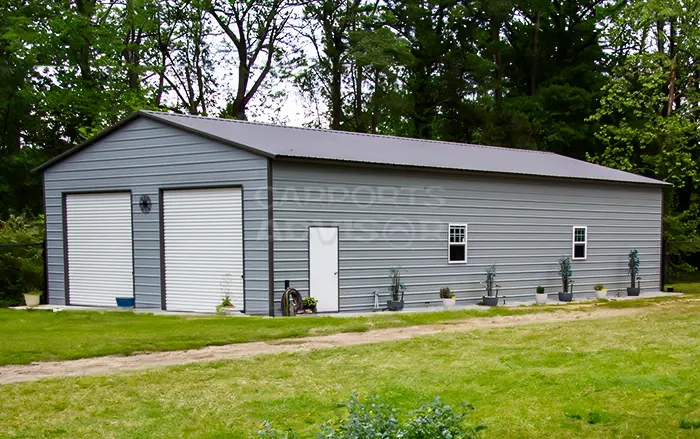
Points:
[[377, 420], [595, 417], [21, 266], [445, 293], [565, 273], [598, 287], [687, 424], [539, 290], [438, 420], [397, 288], [309, 302]]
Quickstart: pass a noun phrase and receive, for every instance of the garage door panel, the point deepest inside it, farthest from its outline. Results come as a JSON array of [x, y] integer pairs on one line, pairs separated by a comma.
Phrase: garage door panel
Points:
[[100, 256], [203, 246]]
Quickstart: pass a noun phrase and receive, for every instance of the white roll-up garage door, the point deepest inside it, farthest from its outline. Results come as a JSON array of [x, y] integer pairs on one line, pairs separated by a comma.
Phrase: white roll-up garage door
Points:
[[203, 243], [100, 259]]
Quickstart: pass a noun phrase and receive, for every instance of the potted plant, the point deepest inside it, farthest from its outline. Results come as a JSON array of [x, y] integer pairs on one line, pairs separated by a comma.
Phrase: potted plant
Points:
[[633, 270], [540, 296], [491, 298], [396, 289], [448, 299], [32, 298], [309, 304], [226, 306], [565, 272], [600, 291]]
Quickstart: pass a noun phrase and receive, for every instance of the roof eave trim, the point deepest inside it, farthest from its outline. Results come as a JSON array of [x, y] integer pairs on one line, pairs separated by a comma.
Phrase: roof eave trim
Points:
[[293, 158], [140, 113]]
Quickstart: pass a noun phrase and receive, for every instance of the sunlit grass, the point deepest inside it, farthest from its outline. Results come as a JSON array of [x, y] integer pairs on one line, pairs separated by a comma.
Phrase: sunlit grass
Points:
[[633, 376], [36, 335]]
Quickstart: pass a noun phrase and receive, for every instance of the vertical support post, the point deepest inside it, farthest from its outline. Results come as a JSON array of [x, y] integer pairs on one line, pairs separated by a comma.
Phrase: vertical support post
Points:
[[664, 243], [45, 296]]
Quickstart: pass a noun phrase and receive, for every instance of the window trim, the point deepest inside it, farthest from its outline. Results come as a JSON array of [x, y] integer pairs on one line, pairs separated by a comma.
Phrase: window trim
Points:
[[574, 242], [466, 240]]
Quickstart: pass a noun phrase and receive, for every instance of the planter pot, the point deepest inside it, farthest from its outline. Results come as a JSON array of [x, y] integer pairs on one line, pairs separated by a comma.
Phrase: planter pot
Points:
[[566, 297], [125, 302], [394, 305], [32, 300], [601, 294], [541, 299], [449, 303], [633, 291], [311, 310], [228, 310], [490, 300]]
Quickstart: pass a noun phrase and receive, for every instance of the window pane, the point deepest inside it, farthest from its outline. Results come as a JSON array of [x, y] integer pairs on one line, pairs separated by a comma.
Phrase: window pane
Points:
[[579, 251], [457, 234], [580, 235], [458, 253]]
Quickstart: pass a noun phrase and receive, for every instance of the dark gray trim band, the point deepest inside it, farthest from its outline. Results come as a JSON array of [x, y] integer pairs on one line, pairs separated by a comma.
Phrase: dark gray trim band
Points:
[[270, 242]]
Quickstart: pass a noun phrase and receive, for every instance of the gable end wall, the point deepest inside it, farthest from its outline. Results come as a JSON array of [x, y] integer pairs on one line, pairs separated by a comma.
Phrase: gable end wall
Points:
[[143, 157]]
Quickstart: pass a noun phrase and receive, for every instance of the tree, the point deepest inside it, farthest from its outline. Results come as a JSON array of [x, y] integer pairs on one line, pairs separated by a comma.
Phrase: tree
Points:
[[256, 29], [649, 113], [186, 64]]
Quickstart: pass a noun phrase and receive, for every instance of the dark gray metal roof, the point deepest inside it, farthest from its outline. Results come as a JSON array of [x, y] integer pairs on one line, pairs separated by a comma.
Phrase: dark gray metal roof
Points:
[[305, 143]]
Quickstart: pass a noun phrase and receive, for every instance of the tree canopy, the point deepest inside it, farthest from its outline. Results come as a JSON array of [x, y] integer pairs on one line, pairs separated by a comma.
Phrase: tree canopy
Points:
[[615, 82]]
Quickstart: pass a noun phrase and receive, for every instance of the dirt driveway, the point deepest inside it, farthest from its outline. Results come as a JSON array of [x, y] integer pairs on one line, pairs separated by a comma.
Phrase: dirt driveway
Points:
[[113, 364]]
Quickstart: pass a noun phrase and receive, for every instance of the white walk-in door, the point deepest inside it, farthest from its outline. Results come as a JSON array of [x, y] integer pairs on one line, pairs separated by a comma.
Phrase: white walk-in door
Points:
[[100, 258], [203, 244], [323, 267]]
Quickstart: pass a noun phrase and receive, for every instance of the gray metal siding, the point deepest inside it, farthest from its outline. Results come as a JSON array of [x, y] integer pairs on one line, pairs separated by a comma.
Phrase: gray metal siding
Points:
[[143, 157], [391, 217]]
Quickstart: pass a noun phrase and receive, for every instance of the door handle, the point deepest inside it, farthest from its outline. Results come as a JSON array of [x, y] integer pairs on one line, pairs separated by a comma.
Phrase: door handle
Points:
[[335, 274]]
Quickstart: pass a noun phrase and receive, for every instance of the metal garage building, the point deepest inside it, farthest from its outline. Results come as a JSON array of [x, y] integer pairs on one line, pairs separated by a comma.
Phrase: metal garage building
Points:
[[179, 210]]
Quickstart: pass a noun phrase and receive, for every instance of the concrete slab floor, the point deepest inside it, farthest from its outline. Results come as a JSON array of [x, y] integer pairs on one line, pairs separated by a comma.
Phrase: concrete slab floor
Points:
[[509, 303]]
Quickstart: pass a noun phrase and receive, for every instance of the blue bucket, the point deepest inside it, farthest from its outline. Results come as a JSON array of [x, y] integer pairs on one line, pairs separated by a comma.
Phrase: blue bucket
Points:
[[125, 302]]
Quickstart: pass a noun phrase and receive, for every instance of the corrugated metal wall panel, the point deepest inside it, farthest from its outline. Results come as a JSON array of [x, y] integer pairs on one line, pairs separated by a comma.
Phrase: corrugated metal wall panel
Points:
[[99, 248], [391, 217], [203, 246], [145, 156]]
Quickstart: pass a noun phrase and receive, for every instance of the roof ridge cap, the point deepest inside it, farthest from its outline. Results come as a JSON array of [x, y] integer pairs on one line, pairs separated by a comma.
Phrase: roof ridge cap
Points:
[[352, 133]]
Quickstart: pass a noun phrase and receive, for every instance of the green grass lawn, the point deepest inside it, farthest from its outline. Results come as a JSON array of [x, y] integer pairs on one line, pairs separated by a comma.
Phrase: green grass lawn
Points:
[[36, 335], [628, 377]]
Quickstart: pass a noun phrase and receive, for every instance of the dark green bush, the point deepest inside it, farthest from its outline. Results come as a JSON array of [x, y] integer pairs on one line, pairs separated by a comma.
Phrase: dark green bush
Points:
[[376, 420], [21, 266]]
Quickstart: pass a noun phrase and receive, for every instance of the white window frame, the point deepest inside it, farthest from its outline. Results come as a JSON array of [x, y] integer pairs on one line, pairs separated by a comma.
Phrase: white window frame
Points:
[[574, 242], [466, 240]]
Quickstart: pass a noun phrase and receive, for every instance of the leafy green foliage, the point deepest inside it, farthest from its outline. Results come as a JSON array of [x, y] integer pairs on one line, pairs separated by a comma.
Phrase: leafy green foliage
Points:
[[21, 265], [565, 273], [309, 302], [490, 276], [446, 293], [688, 424], [373, 419], [397, 287]]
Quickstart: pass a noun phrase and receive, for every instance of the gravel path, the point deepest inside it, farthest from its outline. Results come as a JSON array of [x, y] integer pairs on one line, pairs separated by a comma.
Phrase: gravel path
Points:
[[113, 364]]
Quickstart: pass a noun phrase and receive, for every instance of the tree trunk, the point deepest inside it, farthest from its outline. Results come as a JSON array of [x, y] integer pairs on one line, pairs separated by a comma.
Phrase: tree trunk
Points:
[[86, 8], [533, 72], [496, 41], [336, 96], [375, 102], [359, 119]]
